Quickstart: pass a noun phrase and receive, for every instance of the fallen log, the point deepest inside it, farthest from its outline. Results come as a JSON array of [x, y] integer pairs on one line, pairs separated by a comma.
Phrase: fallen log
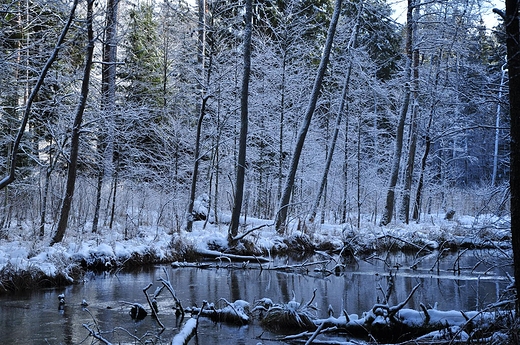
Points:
[[234, 313], [213, 254]]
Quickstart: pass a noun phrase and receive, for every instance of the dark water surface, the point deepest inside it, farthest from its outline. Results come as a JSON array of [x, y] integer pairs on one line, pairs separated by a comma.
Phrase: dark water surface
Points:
[[34, 318]]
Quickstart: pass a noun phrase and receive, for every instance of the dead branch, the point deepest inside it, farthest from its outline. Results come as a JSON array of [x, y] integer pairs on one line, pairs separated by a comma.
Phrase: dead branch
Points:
[[168, 286], [152, 307], [426, 314], [318, 330], [402, 240], [233, 257], [393, 310], [297, 266], [96, 335], [238, 238]]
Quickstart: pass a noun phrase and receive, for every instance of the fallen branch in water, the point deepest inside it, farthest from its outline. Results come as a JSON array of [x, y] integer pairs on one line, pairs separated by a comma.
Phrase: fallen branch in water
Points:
[[187, 332], [96, 335], [305, 264], [166, 283], [153, 306]]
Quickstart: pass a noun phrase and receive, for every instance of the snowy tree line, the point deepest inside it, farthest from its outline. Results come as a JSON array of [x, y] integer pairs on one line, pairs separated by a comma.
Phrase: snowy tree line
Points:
[[162, 116]]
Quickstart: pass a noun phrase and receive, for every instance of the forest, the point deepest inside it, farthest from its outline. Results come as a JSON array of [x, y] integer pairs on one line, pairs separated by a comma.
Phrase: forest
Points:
[[121, 115], [418, 110]]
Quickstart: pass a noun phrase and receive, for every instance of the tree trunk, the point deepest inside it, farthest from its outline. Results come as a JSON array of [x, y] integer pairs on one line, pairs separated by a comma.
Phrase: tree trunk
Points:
[[189, 223], [289, 183], [497, 129], [416, 213], [410, 161], [76, 130], [202, 109], [281, 129], [14, 150], [513, 58], [108, 104], [396, 161], [351, 45], [244, 97], [420, 183]]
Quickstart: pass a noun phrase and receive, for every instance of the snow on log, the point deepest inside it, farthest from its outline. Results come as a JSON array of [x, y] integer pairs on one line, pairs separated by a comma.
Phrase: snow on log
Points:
[[408, 323], [235, 313], [186, 333], [232, 257]]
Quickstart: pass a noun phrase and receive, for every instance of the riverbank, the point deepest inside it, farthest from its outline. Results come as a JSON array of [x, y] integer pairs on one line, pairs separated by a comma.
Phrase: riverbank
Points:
[[28, 262]]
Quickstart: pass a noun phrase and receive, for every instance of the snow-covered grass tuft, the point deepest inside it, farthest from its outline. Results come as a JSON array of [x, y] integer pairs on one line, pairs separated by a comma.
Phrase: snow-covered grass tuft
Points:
[[286, 317]]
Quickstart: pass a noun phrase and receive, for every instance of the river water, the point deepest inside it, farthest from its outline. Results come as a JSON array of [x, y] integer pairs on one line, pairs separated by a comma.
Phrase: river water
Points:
[[36, 318]]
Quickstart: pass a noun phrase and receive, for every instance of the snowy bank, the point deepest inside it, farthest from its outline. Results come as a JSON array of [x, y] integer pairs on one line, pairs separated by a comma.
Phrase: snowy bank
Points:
[[30, 257]]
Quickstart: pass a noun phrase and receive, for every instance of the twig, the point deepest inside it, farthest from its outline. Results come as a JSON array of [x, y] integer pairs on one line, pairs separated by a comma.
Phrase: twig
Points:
[[456, 264], [312, 299], [393, 310], [347, 318], [93, 318], [426, 314], [437, 261]]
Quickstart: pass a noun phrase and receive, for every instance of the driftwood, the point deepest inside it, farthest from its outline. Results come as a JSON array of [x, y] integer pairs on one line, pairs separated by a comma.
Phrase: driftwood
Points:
[[97, 335]]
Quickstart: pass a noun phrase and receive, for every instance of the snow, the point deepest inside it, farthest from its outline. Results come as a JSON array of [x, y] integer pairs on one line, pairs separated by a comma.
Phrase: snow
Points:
[[185, 333], [26, 251]]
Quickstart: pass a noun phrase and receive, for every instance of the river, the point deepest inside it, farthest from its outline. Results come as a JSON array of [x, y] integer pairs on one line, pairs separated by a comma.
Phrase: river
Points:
[[36, 317]]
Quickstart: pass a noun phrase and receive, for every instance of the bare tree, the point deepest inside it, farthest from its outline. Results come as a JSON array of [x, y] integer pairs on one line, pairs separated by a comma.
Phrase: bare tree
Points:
[[76, 131], [396, 161], [108, 103], [346, 84], [281, 217], [27, 113], [410, 160], [244, 98]]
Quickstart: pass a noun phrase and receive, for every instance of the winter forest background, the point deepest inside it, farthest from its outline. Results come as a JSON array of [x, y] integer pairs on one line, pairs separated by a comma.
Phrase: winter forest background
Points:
[[159, 133]]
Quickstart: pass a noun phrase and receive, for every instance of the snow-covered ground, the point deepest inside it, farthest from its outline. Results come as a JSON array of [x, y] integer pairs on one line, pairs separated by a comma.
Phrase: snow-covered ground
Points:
[[23, 251]]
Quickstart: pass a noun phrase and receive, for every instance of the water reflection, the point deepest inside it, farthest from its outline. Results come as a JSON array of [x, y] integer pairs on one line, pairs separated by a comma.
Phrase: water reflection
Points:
[[35, 318]]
